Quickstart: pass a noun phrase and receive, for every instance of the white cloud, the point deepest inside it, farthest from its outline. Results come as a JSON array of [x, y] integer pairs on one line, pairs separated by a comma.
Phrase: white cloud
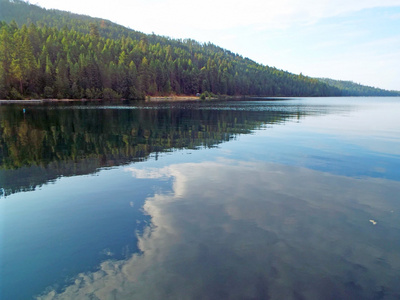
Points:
[[241, 225], [167, 172], [153, 173]]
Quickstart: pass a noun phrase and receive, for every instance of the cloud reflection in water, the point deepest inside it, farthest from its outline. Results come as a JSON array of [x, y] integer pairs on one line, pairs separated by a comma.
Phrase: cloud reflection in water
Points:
[[256, 230]]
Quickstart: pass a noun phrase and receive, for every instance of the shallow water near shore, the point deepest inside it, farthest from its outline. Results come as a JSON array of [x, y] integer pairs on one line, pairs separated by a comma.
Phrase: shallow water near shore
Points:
[[287, 199]]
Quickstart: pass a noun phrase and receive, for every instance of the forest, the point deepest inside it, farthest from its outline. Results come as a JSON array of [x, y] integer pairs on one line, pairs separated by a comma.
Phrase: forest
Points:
[[56, 54], [349, 88]]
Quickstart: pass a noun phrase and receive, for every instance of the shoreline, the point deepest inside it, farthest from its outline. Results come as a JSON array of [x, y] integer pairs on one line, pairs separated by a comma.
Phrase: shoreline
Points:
[[148, 99], [172, 98], [39, 101]]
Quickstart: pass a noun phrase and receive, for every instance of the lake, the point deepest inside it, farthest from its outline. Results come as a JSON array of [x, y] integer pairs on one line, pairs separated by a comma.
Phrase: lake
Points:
[[293, 198]]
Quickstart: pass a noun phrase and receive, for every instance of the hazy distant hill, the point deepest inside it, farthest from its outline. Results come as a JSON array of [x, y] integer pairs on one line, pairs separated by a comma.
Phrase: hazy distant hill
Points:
[[350, 88], [56, 54]]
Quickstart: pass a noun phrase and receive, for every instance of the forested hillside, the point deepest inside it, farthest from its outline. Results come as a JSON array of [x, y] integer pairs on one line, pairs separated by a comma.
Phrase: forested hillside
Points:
[[55, 54], [350, 88]]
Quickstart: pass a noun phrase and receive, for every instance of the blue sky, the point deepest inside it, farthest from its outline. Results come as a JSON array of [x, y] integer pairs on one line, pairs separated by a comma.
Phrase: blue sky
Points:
[[356, 40]]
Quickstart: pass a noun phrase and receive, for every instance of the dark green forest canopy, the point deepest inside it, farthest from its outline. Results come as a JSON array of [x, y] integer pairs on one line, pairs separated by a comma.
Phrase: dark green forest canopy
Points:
[[56, 54]]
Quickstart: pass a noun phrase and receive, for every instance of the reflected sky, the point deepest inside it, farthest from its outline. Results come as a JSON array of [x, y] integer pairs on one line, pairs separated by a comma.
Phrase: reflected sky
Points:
[[230, 229]]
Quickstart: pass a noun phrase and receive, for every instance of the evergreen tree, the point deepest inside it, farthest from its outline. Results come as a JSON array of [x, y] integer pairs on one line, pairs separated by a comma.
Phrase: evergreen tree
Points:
[[66, 55]]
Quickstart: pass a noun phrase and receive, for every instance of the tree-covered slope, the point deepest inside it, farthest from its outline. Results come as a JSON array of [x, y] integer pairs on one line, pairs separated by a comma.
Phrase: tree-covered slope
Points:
[[350, 88], [25, 13], [56, 54]]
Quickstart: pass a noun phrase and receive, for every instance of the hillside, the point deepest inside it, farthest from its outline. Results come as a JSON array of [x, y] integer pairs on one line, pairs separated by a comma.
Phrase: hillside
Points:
[[350, 88], [56, 54]]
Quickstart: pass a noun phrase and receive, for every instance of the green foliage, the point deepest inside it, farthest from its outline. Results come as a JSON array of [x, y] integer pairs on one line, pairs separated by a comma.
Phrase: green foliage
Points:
[[207, 95], [48, 92], [109, 94], [79, 56], [15, 94], [350, 88]]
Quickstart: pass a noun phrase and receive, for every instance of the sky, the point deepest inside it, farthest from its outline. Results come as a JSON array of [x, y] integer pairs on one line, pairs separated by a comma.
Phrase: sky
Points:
[[357, 40]]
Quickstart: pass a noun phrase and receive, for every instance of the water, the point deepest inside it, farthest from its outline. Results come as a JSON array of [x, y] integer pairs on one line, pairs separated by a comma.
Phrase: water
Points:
[[286, 199]]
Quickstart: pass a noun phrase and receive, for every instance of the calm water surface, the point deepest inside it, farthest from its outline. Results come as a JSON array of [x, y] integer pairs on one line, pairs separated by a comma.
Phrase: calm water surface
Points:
[[286, 199]]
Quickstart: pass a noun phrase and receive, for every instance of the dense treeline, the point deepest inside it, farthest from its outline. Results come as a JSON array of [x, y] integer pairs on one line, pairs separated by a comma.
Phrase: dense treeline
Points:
[[25, 13], [56, 54], [350, 88]]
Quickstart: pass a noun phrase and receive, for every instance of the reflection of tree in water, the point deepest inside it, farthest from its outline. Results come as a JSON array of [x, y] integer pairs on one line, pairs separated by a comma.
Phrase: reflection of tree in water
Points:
[[45, 143]]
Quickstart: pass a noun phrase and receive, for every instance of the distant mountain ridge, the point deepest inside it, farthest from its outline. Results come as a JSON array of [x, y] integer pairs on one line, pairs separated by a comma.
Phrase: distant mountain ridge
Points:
[[56, 54], [350, 88]]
